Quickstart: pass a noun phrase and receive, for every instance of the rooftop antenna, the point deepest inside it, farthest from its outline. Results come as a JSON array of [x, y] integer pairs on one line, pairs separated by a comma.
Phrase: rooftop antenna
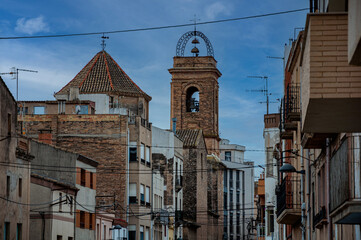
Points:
[[264, 90], [195, 41], [14, 72], [103, 41]]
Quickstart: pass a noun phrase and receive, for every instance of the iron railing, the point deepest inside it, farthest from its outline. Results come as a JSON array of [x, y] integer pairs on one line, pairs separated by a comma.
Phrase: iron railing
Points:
[[292, 99], [319, 216], [284, 196]]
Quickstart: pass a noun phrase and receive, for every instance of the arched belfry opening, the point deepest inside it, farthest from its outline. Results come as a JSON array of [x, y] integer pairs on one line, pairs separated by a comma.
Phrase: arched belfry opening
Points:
[[192, 99], [194, 88]]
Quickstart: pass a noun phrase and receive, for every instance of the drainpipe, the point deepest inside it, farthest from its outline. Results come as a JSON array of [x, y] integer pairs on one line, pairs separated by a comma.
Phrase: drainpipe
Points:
[[303, 206], [309, 195], [329, 226]]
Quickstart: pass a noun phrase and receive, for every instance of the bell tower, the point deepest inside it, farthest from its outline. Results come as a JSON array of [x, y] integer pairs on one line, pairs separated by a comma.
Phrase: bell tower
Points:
[[194, 90]]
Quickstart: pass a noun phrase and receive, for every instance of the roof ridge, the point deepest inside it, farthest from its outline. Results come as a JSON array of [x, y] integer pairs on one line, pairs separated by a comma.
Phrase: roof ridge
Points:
[[106, 65], [86, 75], [75, 75], [126, 75]]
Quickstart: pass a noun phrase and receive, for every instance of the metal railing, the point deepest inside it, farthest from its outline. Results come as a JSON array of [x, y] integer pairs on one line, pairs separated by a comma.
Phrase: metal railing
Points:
[[292, 99], [319, 216], [284, 196]]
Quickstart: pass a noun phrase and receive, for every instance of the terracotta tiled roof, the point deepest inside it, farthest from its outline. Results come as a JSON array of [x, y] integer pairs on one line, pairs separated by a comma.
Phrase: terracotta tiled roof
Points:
[[103, 75], [190, 137]]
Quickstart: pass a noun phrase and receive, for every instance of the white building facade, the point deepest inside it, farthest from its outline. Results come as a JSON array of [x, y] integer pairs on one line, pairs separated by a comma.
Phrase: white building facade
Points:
[[238, 190]]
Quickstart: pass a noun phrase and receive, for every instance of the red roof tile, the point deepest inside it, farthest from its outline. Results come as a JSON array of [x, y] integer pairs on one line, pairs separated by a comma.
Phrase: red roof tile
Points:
[[103, 75]]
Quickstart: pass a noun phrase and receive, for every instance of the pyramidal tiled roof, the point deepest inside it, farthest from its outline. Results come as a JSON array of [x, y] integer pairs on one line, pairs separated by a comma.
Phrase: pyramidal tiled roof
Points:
[[103, 75]]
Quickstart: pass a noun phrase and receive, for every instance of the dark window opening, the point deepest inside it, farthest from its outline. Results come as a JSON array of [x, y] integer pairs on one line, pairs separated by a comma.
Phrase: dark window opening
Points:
[[7, 186], [82, 177], [91, 180], [82, 219], [133, 154], [20, 187], [192, 99]]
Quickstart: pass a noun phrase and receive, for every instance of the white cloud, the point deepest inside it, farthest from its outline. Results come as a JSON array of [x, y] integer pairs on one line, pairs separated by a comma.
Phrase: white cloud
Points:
[[31, 25], [215, 9]]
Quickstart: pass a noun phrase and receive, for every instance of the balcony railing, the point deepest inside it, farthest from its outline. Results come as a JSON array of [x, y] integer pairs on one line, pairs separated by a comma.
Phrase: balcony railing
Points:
[[284, 196], [320, 218], [292, 102]]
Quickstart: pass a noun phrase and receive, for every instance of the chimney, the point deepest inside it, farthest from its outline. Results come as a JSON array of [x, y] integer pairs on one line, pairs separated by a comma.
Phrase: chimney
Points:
[[174, 120], [45, 136]]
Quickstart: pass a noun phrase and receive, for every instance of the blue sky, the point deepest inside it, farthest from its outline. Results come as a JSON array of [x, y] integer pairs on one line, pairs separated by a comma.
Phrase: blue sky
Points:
[[241, 49]]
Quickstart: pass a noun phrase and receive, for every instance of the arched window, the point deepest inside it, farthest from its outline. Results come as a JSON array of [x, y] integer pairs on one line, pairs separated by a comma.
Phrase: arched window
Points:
[[192, 99]]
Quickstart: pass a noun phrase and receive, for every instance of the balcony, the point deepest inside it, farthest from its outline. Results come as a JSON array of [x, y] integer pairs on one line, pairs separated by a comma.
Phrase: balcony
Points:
[[320, 218], [178, 183], [345, 199], [287, 210], [330, 87], [285, 130]]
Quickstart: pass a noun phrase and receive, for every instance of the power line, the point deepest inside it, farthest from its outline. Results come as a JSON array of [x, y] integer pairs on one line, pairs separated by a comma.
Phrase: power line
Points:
[[156, 28]]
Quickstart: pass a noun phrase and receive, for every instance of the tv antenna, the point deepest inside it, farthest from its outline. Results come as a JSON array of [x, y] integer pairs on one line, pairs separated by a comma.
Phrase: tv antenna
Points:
[[263, 90], [14, 72]]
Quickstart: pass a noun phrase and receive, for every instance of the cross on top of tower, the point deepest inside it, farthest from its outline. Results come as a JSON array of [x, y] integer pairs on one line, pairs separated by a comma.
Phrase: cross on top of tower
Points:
[[194, 20], [103, 41]]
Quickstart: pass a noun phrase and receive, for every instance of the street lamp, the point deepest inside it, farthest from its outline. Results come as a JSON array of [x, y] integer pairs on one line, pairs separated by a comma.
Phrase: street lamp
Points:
[[288, 168]]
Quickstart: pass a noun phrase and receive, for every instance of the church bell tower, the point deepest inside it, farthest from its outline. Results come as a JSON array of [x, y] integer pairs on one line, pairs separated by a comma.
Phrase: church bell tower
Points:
[[194, 90]]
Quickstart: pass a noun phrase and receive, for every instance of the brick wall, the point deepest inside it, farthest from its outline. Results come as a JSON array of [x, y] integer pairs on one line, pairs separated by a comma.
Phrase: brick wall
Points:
[[99, 137], [330, 74]]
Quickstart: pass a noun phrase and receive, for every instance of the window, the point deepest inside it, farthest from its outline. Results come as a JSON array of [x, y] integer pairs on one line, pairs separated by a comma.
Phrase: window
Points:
[[238, 185], [61, 106], [147, 156], [70, 238], [142, 146], [59, 237], [231, 197], [231, 222], [39, 110], [238, 196], [228, 156], [19, 231], [105, 232], [141, 233], [91, 180], [270, 222], [7, 186], [60, 201], [147, 233], [82, 219], [20, 187], [133, 154], [132, 233], [142, 199], [91, 221], [238, 219], [9, 124], [192, 103], [82, 177], [147, 196], [7, 231], [81, 109], [132, 193]]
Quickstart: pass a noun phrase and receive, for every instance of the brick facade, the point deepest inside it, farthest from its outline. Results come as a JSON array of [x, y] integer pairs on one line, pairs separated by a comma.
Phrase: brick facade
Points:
[[202, 74], [100, 137]]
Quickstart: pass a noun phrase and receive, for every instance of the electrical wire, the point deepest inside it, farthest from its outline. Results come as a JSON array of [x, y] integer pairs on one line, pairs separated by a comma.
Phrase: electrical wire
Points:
[[30, 204], [155, 28]]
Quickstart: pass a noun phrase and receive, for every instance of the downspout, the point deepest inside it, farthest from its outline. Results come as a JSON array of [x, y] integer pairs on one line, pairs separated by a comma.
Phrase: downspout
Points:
[[243, 207], [303, 205], [329, 226], [309, 195]]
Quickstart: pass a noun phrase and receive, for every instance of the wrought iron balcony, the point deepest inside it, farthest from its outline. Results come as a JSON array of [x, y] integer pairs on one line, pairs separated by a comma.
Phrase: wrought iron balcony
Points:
[[287, 212], [320, 218], [292, 102]]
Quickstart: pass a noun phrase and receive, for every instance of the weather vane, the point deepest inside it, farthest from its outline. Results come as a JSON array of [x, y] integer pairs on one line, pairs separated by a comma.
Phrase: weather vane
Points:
[[103, 41]]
